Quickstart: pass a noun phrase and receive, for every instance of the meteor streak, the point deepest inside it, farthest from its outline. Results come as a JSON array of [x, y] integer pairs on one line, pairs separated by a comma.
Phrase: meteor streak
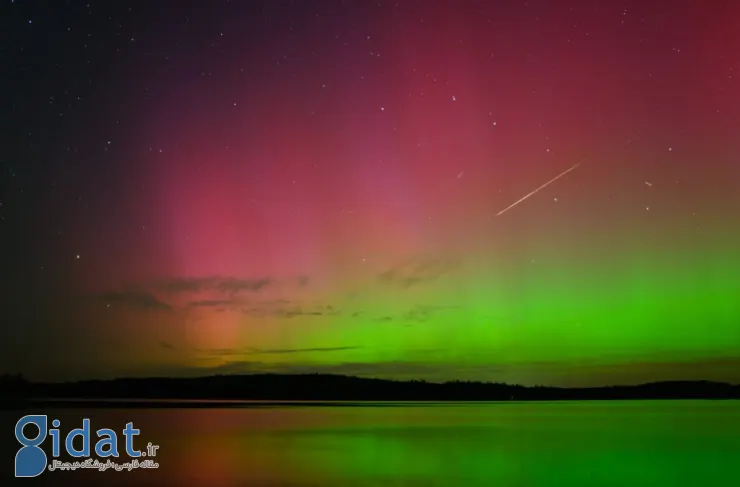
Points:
[[536, 190]]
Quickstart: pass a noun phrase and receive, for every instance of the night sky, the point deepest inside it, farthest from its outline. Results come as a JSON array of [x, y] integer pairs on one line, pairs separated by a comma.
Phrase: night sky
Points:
[[207, 187]]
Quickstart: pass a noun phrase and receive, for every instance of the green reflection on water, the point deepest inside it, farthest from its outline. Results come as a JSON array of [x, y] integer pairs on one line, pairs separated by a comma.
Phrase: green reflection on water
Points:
[[668, 443], [651, 444]]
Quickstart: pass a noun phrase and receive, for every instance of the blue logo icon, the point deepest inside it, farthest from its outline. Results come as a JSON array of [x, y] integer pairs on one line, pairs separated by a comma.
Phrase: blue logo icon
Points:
[[31, 460]]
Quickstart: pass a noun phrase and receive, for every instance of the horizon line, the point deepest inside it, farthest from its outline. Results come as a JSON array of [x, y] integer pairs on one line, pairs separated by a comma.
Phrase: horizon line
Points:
[[20, 376]]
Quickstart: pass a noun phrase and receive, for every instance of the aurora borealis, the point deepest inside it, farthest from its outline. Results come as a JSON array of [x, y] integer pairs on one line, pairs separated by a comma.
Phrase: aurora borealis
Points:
[[224, 187]]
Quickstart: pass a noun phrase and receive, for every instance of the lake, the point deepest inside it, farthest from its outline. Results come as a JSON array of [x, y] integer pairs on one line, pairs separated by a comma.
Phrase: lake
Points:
[[533, 444]]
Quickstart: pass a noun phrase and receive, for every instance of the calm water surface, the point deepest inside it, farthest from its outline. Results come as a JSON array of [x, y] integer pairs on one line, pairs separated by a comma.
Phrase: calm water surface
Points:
[[646, 443]]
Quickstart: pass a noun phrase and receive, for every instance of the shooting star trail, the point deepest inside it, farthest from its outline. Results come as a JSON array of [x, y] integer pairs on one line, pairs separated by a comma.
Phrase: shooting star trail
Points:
[[536, 190]]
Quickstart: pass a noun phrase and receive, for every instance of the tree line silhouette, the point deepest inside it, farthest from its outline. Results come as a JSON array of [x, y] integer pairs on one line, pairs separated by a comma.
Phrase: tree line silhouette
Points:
[[321, 387]]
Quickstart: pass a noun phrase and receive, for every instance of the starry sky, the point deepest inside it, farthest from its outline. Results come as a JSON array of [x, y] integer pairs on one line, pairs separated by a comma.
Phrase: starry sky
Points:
[[201, 187]]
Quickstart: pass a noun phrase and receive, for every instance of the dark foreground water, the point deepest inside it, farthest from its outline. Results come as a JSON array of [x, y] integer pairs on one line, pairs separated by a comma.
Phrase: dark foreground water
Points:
[[624, 444]]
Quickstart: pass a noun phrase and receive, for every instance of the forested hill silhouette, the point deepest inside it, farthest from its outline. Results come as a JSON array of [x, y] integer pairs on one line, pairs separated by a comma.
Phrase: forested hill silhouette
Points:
[[316, 387]]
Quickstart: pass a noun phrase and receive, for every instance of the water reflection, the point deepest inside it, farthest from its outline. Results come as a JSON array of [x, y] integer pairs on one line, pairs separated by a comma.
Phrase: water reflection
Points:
[[527, 444]]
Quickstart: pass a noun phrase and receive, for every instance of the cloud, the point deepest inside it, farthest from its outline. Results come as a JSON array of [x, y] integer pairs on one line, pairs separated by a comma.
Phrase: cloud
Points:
[[301, 350], [167, 345], [270, 351], [292, 313], [274, 302], [418, 271], [219, 294], [421, 313], [268, 309], [133, 299], [213, 303], [230, 285]]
